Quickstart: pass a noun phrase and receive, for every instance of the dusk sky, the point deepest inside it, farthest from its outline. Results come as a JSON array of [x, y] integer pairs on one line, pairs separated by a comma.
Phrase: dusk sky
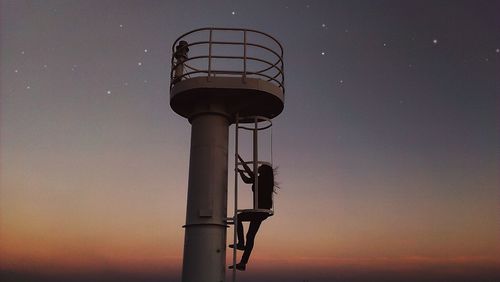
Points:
[[388, 148]]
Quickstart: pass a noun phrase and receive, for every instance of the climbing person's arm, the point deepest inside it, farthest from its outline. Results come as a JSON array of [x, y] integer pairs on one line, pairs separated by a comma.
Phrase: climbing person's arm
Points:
[[247, 179], [246, 167]]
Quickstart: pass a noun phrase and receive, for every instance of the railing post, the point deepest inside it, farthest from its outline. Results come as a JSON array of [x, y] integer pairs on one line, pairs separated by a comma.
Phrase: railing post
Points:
[[282, 73], [209, 56], [244, 56]]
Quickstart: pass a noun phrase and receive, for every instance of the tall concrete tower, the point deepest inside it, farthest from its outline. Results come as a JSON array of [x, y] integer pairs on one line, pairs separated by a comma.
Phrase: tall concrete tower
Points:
[[218, 74]]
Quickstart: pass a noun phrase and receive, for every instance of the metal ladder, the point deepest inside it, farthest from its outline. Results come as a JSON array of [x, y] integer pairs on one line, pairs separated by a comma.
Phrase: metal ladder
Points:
[[255, 163]]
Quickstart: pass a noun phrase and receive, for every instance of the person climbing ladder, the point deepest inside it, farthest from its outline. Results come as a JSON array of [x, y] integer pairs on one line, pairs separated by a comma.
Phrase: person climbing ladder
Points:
[[265, 189]]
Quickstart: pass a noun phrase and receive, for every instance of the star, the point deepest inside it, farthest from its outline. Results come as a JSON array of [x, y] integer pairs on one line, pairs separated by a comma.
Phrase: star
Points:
[[16, 71], [341, 81], [385, 44], [121, 26], [497, 50], [125, 84], [28, 87], [139, 63], [44, 66], [233, 13], [323, 25], [22, 52], [108, 92], [434, 41], [145, 81], [323, 53], [145, 50]]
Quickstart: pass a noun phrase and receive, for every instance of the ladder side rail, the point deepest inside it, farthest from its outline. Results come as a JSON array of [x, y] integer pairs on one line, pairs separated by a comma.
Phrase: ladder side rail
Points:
[[272, 165], [255, 164], [235, 214]]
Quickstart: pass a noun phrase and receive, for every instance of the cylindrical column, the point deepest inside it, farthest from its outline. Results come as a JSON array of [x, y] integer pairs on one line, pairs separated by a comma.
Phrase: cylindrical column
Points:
[[205, 234]]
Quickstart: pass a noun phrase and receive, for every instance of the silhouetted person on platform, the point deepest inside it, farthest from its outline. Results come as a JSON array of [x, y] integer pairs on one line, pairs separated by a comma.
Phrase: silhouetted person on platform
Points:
[[180, 55], [265, 201]]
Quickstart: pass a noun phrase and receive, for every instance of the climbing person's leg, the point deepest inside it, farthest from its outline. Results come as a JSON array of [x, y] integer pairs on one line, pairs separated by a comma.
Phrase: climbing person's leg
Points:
[[241, 237], [240, 231], [252, 231]]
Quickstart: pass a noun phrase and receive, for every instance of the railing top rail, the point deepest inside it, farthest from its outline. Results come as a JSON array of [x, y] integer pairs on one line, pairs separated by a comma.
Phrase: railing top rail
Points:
[[226, 29]]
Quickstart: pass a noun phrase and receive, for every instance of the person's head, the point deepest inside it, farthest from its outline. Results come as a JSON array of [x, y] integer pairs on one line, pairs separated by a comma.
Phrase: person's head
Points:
[[181, 50], [265, 170]]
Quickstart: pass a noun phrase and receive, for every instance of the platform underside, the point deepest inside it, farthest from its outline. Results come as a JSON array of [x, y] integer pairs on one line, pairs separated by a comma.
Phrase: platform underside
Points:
[[252, 97]]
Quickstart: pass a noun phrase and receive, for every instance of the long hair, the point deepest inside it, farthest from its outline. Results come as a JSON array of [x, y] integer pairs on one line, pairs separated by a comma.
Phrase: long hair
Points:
[[266, 179]]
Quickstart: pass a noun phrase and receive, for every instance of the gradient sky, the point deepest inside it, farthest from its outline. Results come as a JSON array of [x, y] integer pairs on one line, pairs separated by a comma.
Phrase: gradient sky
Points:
[[388, 147]]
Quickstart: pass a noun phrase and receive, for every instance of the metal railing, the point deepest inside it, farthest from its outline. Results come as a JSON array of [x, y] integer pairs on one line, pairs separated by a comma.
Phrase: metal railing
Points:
[[183, 63]]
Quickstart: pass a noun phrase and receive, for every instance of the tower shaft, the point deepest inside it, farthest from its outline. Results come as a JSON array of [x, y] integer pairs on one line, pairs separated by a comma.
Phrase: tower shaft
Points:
[[205, 234]]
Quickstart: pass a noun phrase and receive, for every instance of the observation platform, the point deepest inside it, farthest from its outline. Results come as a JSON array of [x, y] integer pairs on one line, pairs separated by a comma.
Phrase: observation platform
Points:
[[242, 72]]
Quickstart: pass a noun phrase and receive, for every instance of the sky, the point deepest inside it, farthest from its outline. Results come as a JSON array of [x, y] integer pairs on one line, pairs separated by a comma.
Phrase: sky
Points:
[[387, 149]]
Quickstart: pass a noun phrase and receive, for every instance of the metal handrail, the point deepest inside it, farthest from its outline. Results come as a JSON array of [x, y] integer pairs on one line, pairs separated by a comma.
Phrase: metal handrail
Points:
[[269, 78], [271, 72], [225, 29], [175, 64], [271, 66]]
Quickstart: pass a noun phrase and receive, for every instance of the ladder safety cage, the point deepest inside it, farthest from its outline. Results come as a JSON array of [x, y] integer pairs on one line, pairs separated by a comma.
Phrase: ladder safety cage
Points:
[[272, 70], [259, 123]]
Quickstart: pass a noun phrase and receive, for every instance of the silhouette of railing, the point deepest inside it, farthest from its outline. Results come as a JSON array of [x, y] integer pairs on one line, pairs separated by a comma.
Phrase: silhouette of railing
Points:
[[271, 72]]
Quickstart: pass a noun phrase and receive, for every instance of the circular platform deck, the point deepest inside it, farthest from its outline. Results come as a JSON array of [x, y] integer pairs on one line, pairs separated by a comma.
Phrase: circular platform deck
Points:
[[254, 97]]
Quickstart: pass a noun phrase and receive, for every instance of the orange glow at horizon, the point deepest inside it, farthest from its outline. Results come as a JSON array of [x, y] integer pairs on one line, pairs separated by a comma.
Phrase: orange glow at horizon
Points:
[[79, 254], [150, 239], [45, 248]]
